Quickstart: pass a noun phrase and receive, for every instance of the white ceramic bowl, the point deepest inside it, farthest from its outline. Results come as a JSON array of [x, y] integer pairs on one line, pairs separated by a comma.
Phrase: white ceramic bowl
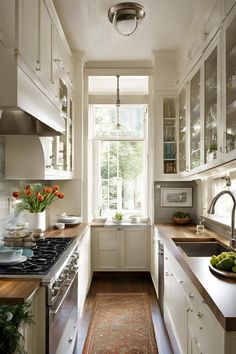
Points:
[[134, 219], [8, 254], [100, 219], [60, 225]]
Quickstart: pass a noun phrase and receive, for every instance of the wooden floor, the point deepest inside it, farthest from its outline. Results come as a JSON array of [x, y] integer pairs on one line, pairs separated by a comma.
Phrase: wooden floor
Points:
[[123, 282]]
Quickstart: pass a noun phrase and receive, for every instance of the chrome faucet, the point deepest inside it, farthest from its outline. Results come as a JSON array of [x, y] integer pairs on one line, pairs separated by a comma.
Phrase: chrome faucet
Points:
[[211, 210]]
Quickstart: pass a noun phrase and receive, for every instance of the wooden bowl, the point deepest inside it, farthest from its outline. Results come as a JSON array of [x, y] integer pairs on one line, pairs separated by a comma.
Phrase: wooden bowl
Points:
[[181, 221]]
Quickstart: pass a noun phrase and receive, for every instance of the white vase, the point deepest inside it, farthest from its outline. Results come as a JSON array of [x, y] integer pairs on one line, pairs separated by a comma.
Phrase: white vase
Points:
[[37, 220]]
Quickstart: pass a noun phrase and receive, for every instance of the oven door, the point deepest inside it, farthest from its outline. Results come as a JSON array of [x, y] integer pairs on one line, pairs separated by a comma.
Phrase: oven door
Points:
[[63, 320]]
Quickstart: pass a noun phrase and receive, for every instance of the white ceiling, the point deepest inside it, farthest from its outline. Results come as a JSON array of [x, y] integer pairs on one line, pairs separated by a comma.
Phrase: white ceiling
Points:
[[88, 29]]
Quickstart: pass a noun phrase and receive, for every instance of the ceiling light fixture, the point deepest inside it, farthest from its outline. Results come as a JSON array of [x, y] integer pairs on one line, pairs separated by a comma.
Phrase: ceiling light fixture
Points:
[[117, 102], [126, 17]]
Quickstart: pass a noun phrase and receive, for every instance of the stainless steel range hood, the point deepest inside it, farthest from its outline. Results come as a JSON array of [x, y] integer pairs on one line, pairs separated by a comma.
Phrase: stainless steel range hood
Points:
[[21, 123]]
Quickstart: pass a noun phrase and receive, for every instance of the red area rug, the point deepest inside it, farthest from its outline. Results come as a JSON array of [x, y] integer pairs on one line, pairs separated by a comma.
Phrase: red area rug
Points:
[[121, 324]]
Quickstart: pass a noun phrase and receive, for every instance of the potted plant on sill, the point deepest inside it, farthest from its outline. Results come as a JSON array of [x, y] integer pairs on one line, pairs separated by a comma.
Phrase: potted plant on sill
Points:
[[36, 198]]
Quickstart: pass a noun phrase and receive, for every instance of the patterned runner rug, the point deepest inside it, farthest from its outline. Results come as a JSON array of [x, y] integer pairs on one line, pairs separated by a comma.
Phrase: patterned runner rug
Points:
[[121, 324]]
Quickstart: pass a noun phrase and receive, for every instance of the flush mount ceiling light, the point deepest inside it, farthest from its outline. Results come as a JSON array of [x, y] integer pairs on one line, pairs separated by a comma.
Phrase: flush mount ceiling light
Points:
[[126, 17]]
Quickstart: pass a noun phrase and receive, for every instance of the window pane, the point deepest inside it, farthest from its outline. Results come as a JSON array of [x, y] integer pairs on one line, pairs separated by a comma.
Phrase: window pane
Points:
[[130, 120], [121, 175]]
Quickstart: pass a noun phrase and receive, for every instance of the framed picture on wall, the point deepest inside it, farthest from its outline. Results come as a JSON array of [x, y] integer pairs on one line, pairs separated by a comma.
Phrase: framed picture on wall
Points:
[[176, 197]]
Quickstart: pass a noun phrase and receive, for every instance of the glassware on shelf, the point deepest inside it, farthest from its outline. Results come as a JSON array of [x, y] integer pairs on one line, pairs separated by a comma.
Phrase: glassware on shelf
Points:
[[182, 130], [195, 131], [169, 135], [210, 119], [230, 86]]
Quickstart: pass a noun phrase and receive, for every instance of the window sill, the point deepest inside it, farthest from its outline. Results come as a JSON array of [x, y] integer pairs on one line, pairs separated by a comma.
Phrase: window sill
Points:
[[218, 224]]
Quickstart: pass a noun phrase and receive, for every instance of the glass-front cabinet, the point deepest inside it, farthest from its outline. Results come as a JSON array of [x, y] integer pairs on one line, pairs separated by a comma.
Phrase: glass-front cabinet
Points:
[[195, 121], [182, 130], [230, 47], [210, 107], [169, 135]]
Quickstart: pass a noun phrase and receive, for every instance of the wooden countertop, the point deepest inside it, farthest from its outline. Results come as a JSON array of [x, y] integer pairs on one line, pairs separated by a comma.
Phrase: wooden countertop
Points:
[[74, 231], [16, 290], [218, 292], [110, 223]]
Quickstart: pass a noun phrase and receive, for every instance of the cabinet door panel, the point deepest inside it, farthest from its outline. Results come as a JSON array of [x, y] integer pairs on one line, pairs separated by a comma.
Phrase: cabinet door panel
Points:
[[134, 250], [45, 43], [28, 32], [195, 121], [230, 144], [106, 250]]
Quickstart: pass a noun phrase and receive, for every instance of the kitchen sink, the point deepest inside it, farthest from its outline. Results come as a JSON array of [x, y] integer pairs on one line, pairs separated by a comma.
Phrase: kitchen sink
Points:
[[201, 248]]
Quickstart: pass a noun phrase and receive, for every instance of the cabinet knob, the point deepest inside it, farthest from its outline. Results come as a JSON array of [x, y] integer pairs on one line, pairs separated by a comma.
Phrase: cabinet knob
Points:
[[191, 295], [181, 281], [70, 339], [37, 65], [200, 314], [167, 274]]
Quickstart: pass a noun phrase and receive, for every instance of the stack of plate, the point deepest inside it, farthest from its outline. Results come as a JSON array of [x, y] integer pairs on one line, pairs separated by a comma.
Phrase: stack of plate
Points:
[[70, 220]]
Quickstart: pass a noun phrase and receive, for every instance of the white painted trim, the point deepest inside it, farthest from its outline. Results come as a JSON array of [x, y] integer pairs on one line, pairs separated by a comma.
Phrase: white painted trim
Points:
[[111, 99]]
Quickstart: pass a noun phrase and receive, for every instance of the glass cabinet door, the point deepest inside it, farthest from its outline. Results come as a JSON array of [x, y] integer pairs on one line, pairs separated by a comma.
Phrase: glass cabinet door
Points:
[[169, 135], [231, 86], [182, 130], [195, 122], [210, 119]]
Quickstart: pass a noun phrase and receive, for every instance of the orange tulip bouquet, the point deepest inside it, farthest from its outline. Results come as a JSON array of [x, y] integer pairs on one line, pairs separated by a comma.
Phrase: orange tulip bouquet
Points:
[[36, 198]]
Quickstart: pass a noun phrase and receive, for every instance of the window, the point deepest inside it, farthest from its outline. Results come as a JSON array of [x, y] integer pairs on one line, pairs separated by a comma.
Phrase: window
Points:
[[119, 158]]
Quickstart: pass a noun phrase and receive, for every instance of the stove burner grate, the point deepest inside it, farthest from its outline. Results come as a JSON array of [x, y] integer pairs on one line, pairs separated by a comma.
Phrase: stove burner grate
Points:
[[45, 254]]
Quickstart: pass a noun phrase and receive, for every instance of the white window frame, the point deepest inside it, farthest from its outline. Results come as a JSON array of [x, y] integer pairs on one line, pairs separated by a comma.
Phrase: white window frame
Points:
[[95, 139]]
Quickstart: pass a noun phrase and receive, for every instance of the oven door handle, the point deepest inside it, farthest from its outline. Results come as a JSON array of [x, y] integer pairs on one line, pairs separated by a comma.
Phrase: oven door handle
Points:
[[53, 311]]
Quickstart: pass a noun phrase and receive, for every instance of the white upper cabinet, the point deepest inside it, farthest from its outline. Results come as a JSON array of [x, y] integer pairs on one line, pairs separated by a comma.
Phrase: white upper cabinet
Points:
[[43, 51], [45, 44], [28, 32], [195, 121], [230, 86]]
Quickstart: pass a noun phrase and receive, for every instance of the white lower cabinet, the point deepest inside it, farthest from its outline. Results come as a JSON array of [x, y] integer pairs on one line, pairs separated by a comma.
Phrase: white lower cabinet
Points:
[[33, 335], [155, 267], [85, 271], [192, 327], [121, 248]]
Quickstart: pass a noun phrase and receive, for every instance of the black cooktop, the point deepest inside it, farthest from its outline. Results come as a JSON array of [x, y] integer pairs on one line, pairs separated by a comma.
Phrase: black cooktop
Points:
[[45, 254]]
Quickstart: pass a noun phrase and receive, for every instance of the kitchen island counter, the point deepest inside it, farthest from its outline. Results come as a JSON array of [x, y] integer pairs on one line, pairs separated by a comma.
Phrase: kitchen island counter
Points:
[[218, 292]]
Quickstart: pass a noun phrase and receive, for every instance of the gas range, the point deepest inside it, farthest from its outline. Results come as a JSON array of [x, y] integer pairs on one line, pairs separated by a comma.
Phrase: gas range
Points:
[[44, 255]]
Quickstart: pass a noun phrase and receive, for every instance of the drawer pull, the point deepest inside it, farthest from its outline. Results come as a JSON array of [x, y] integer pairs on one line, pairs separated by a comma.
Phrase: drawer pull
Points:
[[166, 257], [191, 295], [181, 281], [200, 314]]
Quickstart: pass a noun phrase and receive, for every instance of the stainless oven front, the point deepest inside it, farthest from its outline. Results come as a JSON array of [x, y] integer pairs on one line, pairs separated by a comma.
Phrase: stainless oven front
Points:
[[62, 310]]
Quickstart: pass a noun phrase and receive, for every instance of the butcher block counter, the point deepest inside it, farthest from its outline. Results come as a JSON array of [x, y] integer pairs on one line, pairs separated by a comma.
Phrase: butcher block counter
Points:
[[218, 292], [20, 290]]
